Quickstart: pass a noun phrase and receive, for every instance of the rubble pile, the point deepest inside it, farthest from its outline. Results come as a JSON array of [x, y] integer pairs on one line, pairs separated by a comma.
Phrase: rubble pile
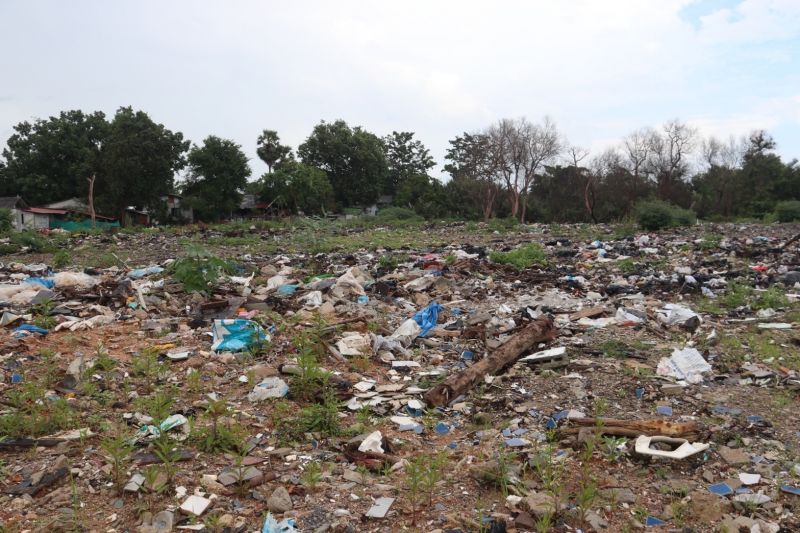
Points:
[[616, 383]]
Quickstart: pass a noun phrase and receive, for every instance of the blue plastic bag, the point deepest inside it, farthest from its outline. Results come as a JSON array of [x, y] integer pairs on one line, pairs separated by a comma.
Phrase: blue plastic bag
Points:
[[272, 526], [47, 283], [235, 335], [142, 272], [287, 289], [24, 329], [427, 318]]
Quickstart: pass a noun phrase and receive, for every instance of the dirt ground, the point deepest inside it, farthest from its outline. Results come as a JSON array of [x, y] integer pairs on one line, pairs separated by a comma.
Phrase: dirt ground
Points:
[[506, 456]]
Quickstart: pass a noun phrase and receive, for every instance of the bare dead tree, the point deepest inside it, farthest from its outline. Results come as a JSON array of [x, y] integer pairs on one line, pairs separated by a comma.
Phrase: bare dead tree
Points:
[[637, 146], [91, 199], [576, 154], [670, 152], [542, 143]]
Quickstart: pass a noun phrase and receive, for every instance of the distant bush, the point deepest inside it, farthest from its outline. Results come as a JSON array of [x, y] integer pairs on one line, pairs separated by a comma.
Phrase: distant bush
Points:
[[788, 211], [5, 220], [394, 215], [503, 224], [523, 257], [655, 215]]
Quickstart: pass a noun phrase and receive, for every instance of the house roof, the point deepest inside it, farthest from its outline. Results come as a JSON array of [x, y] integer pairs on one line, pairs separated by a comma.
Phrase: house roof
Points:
[[11, 202], [45, 211]]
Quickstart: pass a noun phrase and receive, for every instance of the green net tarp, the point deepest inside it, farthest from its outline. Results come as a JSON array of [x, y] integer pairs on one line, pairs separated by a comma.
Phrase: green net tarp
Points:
[[71, 225]]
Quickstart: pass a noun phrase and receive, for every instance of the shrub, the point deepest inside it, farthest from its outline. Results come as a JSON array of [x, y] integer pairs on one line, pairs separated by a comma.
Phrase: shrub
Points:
[[397, 213], [655, 215], [199, 269], [788, 211], [523, 257], [5, 220]]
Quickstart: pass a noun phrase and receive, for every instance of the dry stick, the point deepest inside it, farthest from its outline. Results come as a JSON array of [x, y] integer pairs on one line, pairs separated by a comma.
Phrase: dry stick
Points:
[[457, 384], [642, 427]]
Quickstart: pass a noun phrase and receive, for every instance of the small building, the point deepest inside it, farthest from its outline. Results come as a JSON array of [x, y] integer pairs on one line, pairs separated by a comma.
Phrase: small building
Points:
[[15, 204], [176, 211], [41, 217]]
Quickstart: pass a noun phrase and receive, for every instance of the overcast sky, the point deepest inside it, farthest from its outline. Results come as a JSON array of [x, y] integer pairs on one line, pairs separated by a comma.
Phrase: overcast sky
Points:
[[599, 68]]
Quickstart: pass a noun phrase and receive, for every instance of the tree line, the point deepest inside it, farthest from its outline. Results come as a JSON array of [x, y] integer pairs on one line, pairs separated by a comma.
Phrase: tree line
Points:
[[512, 168]]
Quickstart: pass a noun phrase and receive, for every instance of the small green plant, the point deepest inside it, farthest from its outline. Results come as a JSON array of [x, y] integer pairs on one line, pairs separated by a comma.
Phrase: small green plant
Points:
[[612, 447], [6, 220], [615, 349], [322, 418], [772, 298], [521, 258], [61, 259], [117, 450], [147, 366], [42, 314], [102, 360], [312, 474], [158, 405], [226, 437], [626, 265], [199, 269]]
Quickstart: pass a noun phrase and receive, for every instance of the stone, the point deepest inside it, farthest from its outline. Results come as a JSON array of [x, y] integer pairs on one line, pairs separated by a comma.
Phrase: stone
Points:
[[596, 521], [280, 501], [733, 456], [706, 507], [539, 504], [163, 522], [619, 495], [380, 507]]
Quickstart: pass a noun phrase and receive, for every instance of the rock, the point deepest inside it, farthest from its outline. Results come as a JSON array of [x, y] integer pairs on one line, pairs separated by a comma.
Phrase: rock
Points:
[[280, 501], [539, 504], [226, 520], [706, 507], [733, 456], [618, 495], [596, 521], [163, 522]]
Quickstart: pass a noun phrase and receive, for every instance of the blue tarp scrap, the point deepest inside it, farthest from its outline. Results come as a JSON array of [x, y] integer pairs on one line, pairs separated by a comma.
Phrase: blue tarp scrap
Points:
[[45, 282], [235, 335], [427, 318], [273, 526], [24, 329]]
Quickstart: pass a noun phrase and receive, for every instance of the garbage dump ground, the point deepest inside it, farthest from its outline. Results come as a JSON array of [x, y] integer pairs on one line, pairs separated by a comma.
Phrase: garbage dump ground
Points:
[[457, 377]]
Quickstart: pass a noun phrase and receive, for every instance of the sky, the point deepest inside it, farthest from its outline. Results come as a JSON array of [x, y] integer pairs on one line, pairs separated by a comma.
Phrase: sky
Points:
[[599, 68]]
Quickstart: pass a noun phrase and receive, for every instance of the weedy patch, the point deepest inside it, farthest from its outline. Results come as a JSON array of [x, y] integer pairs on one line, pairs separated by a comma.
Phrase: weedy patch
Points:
[[521, 258]]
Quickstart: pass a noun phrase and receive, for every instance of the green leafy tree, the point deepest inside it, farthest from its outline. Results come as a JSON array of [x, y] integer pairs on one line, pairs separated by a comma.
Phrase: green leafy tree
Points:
[[50, 160], [472, 167], [425, 195], [218, 173], [139, 162], [406, 157], [297, 187], [271, 151], [353, 159]]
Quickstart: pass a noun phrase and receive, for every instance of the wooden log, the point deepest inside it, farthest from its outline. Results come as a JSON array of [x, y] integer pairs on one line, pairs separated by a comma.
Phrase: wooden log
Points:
[[649, 427], [539, 330]]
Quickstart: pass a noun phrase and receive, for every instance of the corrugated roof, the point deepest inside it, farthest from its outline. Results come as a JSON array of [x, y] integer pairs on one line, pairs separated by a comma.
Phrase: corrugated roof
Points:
[[45, 211]]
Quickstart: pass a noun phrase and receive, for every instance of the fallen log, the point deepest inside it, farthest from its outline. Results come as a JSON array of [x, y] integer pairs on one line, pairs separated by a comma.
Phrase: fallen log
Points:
[[539, 330], [634, 428]]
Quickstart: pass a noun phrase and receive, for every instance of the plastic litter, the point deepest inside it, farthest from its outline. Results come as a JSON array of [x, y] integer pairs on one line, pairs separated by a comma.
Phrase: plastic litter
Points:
[[79, 280], [372, 443], [683, 449], [142, 272], [407, 332], [268, 388], [29, 329], [679, 315], [353, 344], [171, 422], [45, 282], [684, 364], [311, 300], [427, 318], [235, 335], [287, 289], [273, 526]]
